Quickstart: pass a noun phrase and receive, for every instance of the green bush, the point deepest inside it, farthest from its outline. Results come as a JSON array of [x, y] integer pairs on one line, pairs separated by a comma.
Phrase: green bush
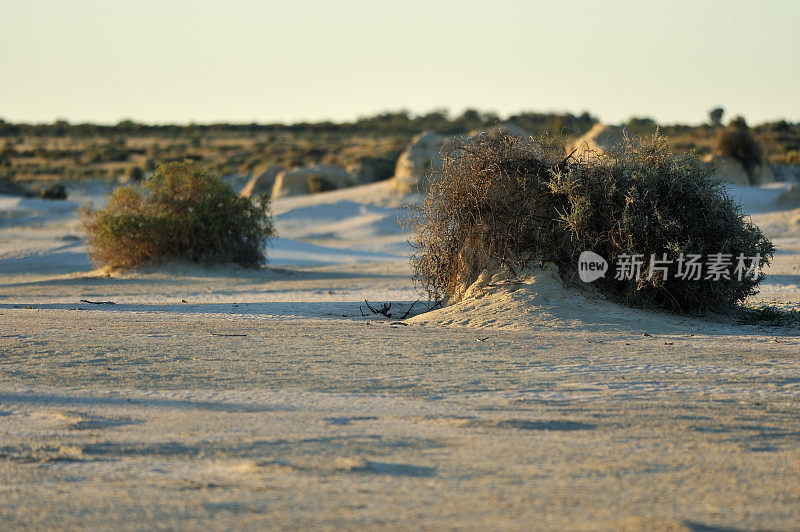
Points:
[[509, 203], [181, 212]]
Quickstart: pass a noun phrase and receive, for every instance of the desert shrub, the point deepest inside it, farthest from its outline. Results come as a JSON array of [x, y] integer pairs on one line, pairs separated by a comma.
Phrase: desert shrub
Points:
[[644, 200], [7, 152], [790, 196], [54, 191], [103, 154], [180, 212], [491, 207], [370, 169], [384, 166], [318, 184], [738, 143], [509, 203], [769, 315], [133, 174], [792, 157]]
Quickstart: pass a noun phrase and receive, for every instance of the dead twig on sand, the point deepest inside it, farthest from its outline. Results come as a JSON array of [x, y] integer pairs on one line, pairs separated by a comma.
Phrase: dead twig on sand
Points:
[[384, 310], [98, 302], [409, 310], [225, 334]]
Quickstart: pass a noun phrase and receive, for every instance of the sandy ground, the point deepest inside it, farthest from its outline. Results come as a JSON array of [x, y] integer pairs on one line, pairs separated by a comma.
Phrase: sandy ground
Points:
[[222, 398]]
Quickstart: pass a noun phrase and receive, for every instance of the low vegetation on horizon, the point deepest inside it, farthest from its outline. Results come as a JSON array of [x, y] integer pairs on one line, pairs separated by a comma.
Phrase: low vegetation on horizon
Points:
[[181, 212], [64, 152]]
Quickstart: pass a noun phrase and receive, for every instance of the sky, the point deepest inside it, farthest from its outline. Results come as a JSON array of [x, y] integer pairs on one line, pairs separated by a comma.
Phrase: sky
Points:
[[175, 61]]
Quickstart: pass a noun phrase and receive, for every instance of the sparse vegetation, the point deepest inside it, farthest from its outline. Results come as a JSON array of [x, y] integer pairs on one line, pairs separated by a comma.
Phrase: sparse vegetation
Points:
[[768, 315], [319, 184], [63, 152], [736, 141], [508, 203], [181, 212], [53, 191]]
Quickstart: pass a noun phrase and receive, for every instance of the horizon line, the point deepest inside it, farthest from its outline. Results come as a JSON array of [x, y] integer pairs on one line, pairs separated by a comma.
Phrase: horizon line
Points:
[[412, 115]]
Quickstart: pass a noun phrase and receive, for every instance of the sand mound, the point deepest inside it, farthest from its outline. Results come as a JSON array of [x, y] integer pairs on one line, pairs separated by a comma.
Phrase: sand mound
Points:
[[421, 162], [302, 180], [262, 180], [541, 300]]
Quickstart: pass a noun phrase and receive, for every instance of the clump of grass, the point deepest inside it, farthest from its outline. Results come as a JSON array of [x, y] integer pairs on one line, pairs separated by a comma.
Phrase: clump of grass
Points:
[[768, 315], [180, 212], [508, 203]]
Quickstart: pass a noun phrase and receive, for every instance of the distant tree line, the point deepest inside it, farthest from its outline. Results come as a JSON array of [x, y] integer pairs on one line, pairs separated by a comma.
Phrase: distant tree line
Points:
[[400, 122]]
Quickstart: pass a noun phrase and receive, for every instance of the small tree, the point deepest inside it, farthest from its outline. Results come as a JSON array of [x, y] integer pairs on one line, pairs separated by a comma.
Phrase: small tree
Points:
[[715, 115], [739, 122]]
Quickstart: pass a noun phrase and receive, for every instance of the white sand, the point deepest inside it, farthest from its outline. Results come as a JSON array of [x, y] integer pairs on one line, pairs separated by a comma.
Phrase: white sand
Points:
[[528, 407]]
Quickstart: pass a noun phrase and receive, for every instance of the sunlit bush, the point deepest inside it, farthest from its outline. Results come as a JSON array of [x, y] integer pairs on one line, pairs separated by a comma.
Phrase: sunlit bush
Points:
[[181, 212]]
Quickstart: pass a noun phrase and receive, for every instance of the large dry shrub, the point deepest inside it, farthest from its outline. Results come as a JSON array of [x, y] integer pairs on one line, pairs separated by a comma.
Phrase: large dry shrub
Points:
[[507, 203], [181, 212], [491, 207]]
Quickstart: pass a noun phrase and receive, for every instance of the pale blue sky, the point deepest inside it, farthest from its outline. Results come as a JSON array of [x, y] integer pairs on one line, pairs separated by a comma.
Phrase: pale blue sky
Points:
[[292, 60]]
